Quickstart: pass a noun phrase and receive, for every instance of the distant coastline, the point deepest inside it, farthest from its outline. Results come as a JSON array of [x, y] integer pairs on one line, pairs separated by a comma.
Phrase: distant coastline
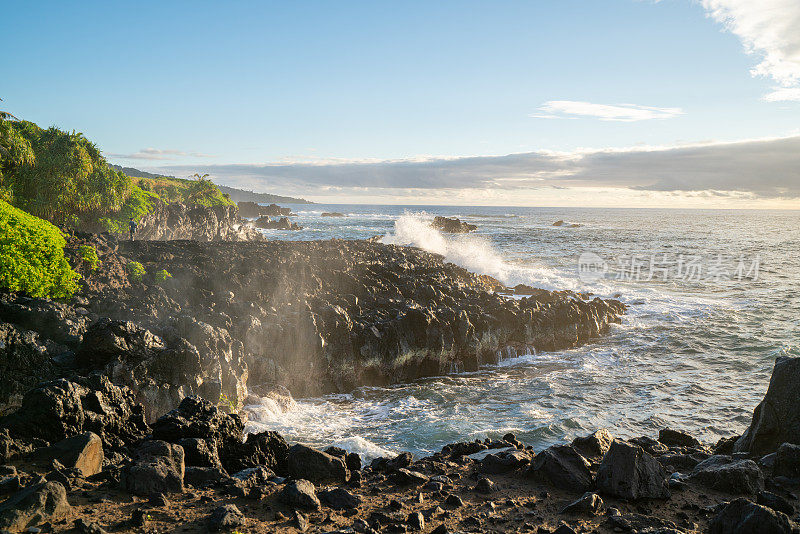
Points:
[[236, 195]]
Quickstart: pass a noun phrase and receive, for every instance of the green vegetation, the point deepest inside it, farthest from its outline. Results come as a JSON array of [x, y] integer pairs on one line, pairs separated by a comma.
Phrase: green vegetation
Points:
[[135, 271], [161, 276], [32, 256], [88, 256], [62, 177]]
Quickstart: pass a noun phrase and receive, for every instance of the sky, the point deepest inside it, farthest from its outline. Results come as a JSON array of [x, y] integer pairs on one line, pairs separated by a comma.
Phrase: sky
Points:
[[671, 103]]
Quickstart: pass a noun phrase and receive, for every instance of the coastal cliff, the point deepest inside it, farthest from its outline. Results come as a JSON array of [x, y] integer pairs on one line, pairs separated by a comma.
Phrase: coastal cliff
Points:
[[200, 223], [315, 317]]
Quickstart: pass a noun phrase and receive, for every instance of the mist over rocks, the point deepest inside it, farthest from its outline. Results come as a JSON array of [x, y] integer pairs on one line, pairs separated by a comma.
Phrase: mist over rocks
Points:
[[315, 317]]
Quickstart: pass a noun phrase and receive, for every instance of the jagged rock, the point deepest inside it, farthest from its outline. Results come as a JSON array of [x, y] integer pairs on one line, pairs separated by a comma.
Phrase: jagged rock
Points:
[[201, 477], [316, 466], [83, 526], [681, 462], [776, 502], [744, 517], [787, 461], [650, 445], [59, 409], [339, 499], [776, 420], [402, 460], [452, 225], [642, 524], [454, 501], [36, 504], [172, 221], [281, 224], [300, 521], [199, 452], [563, 467], [251, 209], [300, 494], [676, 438], [595, 445], [83, 452], [503, 462], [464, 448], [484, 485], [226, 517], [157, 468], [267, 449], [629, 472], [589, 504], [107, 340], [416, 521], [405, 477], [728, 474]]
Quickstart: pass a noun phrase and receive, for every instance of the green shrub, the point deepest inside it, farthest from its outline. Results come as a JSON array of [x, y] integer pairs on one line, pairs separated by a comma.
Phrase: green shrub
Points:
[[89, 256], [32, 256], [162, 275], [135, 271], [139, 203]]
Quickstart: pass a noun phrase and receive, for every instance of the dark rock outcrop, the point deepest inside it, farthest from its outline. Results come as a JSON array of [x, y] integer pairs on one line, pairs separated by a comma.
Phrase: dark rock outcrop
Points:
[[628, 472], [300, 494], [157, 467], [36, 504], [198, 223], [776, 420], [744, 517], [728, 474], [332, 214], [452, 225], [316, 466], [253, 210], [563, 467], [83, 452], [60, 409], [277, 224]]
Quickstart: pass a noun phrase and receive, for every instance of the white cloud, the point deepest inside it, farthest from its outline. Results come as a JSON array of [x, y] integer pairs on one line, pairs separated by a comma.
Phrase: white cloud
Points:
[[159, 154], [570, 109], [765, 168], [783, 94], [769, 29]]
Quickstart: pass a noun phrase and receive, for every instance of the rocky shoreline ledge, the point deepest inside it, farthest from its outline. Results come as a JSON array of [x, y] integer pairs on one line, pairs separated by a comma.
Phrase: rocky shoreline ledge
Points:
[[228, 319], [79, 456]]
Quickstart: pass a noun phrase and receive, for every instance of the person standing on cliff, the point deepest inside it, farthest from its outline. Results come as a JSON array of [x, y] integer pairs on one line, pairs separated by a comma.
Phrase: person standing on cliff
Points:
[[132, 227]]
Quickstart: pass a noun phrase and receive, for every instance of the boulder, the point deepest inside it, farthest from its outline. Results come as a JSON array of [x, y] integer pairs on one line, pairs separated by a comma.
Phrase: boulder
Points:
[[563, 467], [776, 420], [339, 499], [281, 224], [83, 452], [776, 502], [676, 438], [589, 504], [202, 477], [196, 417], [157, 467], [503, 462], [452, 225], [198, 452], [310, 464], [744, 517], [595, 445], [299, 494], [226, 517], [404, 477], [629, 472], [728, 474], [787, 461], [36, 504], [267, 449]]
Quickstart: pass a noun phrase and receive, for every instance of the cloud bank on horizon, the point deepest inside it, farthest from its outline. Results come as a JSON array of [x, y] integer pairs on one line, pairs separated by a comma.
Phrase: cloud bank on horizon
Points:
[[760, 168]]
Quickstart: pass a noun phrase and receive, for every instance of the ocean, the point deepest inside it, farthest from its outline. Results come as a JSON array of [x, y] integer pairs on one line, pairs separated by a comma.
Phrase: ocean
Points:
[[713, 298]]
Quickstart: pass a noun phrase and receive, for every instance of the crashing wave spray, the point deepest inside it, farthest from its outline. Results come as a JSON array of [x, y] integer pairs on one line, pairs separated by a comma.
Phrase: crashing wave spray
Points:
[[474, 253]]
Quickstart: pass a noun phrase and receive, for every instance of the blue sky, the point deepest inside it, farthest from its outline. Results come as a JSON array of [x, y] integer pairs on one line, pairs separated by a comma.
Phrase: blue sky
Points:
[[259, 93]]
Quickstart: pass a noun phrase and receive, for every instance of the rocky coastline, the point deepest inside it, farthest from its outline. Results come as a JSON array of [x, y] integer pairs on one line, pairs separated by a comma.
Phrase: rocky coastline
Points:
[[79, 456]]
